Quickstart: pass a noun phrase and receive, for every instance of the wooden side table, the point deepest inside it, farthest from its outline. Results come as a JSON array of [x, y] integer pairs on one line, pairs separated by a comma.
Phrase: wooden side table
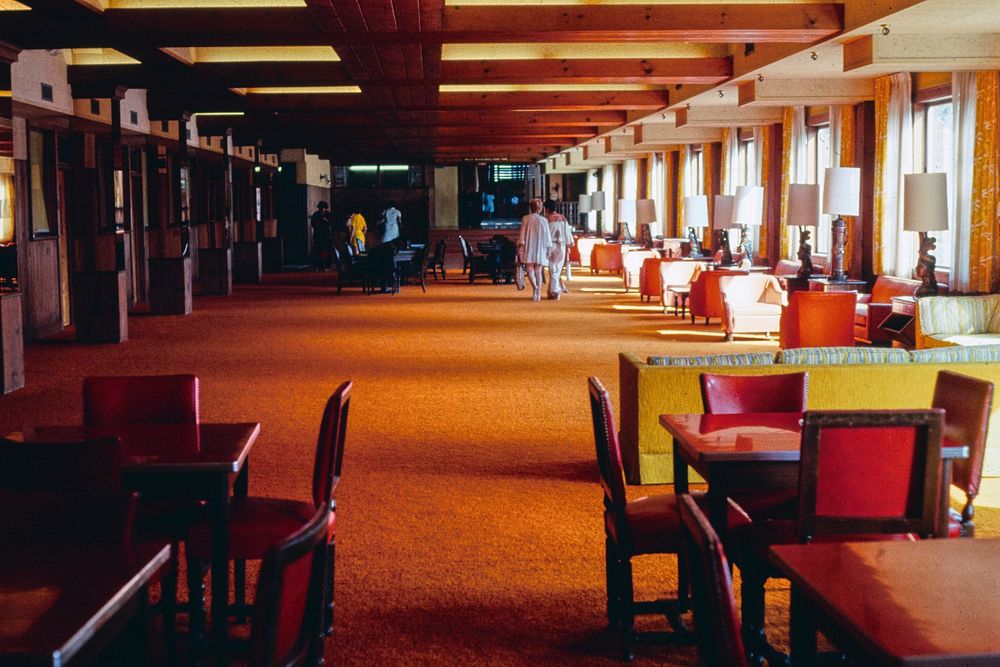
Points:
[[900, 324], [827, 285]]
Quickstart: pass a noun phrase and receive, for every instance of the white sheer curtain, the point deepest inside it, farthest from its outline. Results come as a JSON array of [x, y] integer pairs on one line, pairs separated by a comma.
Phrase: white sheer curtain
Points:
[[690, 177], [899, 248], [630, 180], [963, 103], [731, 149], [799, 168], [657, 191], [592, 181], [610, 185]]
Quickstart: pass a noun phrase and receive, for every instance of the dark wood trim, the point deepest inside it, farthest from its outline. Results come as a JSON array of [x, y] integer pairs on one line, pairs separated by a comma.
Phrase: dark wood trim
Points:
[[862, 255], [772, 195], [932, 94]]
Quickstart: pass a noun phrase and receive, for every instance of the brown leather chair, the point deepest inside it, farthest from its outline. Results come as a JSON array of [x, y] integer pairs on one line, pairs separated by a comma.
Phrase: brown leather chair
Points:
[[647, 525], [716, 619], [967, 403], [818, 319]]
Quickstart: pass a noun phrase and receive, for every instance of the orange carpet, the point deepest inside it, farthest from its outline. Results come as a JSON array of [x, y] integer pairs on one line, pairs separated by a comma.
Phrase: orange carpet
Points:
[[468, 527]]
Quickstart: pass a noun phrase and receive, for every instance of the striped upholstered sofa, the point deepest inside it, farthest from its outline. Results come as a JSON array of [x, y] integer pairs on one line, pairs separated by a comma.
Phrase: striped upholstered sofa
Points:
[[958, 320]]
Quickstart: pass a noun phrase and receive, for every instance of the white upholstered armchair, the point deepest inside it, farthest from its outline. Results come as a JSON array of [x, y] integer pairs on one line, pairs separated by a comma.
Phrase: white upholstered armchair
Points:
[[752, 303]]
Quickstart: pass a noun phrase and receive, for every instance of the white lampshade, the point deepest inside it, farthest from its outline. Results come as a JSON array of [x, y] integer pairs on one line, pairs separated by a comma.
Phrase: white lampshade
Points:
[[626, 210], [645, 211], [925, 202], [803, 205], [723, 217], [696, 211], [597, 201], [584, 204], [748, 205], [842, 191]]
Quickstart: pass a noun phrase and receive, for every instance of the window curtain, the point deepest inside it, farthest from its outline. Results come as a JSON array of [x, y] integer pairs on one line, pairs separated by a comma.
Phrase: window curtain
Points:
[[610, 184], [630, 180], [842, 134], [592, 187], [709, 188], [963, 107], [794, 142], [6, 208], [687, 182], [657, 192], [730, 160], [983, 269], [758, 176], [893, 158]]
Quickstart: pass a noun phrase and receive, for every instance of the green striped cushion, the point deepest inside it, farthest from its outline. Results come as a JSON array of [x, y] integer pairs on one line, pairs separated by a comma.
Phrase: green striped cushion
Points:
[[843, 355], [956, 353], [738, 359]]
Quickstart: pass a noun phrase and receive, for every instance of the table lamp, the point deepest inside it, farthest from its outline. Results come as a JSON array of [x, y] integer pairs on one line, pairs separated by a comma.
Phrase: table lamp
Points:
[[841, 196], [597, 204], [626, 215], [925, 209], [695, 217], [803, 211], [645, 218], [722, 222], [748, 210], [583, 210]]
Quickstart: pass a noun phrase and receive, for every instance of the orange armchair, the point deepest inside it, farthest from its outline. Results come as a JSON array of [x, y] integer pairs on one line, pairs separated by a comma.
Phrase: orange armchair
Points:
[[649, 278], [606, 257], [818, 319], [705, 299]]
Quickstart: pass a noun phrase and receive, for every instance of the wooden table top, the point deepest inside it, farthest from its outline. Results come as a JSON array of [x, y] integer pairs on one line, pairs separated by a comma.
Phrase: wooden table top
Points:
[[932, 602], [202, 447], [760, 436], [53, 600]]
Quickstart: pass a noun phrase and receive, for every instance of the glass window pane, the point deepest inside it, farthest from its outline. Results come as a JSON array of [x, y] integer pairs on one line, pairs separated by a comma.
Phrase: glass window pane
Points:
[[42, 182], [938, 140]]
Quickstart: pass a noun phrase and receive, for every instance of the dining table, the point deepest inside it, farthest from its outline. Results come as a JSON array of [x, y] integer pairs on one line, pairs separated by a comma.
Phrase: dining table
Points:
[[206, 461], [62, 605], [932, 603], [755, 450]]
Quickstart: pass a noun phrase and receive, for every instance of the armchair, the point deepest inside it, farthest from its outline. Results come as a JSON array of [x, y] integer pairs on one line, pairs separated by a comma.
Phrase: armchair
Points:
[[752, 303], [706, 298], [676, 274], [632, 266], [606, 257], [872, 309], [818, 319]]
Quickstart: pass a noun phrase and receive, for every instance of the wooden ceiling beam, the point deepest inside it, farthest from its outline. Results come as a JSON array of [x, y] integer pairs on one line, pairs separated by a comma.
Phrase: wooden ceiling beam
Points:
[[654, 71], [547, 101], [808, 92], [921, 53]]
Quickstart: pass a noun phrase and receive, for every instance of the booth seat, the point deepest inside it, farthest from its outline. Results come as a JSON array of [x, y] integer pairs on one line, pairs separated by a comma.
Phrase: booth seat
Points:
[[872, 309], [839, 378], [942, 321]]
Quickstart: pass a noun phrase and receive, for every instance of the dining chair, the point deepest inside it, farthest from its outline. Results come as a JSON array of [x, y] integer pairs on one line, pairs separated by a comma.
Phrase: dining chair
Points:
[[257, 523], [466, 253], [716, 618], [647, 525], [289, 601], [440, 248], [967, 403], [151, 399], [864, 475], [738, 394]]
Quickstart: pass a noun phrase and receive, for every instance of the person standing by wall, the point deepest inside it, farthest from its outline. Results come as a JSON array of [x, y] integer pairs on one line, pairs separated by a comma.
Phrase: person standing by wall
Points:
[[322, 227], [534, 245], [391, 219], [562, 239], [356, 227]]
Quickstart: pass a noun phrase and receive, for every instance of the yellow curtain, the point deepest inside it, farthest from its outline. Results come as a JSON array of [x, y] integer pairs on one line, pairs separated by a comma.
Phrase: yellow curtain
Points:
[[847, 160], [710, 188], [6, 208], [765, 168], [787, 122], [982, 247], [724, 185], [881, 137], [682, 162]]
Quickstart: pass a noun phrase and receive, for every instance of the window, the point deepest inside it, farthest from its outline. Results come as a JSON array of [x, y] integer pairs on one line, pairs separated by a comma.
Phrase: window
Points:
[[507, 172], [42, 176], [938, 142], [819, 156], [747, 158]]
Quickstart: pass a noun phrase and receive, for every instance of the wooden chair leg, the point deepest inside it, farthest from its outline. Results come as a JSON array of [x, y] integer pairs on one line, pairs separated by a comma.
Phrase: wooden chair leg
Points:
[[168, 603], [196, 602], [627, 611], [240, 590], [328, 598], [611, 578]]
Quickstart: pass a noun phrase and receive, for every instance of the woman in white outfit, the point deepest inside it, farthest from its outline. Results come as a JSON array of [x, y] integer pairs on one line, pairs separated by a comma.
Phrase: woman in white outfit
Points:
[[534, 246], [391, 218], [562, 239]]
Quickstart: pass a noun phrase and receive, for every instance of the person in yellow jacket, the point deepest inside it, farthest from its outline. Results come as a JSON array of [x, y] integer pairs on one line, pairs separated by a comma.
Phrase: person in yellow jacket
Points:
[[356, 228]]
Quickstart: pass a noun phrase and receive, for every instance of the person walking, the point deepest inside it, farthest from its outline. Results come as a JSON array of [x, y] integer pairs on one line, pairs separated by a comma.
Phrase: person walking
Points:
[[322, 227], [391, 218], [534, 245], [356, 227], [562, 239]]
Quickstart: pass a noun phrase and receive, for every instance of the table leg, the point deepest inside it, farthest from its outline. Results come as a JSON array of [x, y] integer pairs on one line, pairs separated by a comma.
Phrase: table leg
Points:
[[944, 500], [802, 630], [219, 509], [718, 508], [680, 471], [240, 489]]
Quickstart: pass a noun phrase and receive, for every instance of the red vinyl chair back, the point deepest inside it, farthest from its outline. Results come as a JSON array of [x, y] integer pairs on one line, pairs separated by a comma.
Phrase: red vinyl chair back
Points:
[[609, 453], [82, 466], [967, 403], [870, 471], [330, 446], [289, 604], [818, 319], [716, 620], [736, 394], [140, 399]]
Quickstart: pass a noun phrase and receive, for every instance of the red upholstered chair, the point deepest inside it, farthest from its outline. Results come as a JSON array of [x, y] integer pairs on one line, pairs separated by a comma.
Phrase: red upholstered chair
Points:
[[705, 299], [648, 525], [606, 257], [737, 394], [258, 523], [967, 403], [140, 399], [863, 475], [649, 278], [716, 619], [287, 626], [818, 319]]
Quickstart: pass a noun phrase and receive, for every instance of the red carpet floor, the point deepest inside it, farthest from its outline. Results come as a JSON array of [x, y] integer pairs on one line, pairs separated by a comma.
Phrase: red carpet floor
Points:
[[469, 517]]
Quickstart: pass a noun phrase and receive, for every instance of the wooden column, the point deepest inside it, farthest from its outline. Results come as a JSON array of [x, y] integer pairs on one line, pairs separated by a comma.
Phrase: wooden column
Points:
[[215, 264], [248, 259], [171, 274], [11, 316]]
